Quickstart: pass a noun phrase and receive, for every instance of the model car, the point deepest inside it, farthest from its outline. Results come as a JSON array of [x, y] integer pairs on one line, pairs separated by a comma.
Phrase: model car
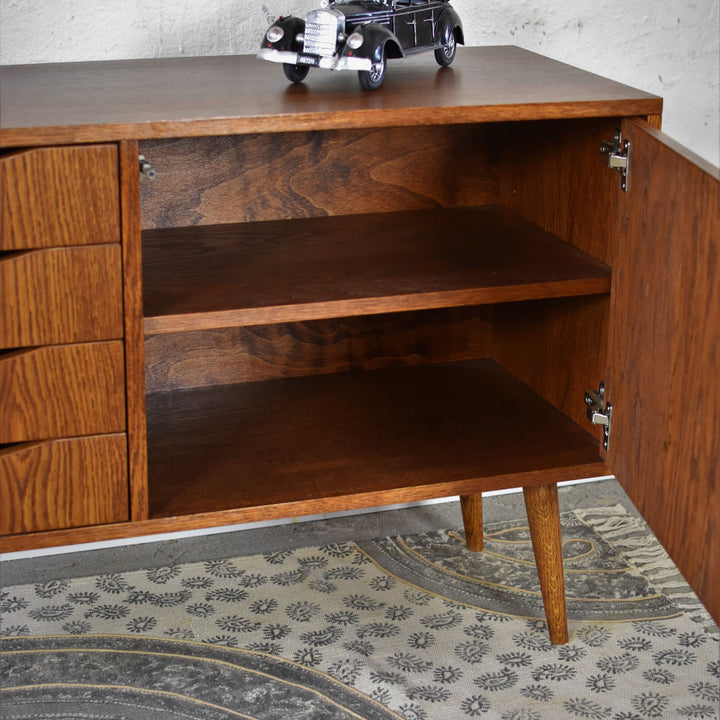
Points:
[[362, 35]]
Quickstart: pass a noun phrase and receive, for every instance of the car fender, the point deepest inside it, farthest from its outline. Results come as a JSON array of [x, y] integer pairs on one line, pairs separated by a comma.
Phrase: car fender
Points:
[[291, 27], [377, 41], [449, 22]]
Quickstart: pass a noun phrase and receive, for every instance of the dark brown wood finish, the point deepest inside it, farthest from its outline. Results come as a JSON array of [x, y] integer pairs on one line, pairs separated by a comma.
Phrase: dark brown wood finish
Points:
[[299, 273], [416, 432], [257, 273], [568, 342], [224, 356], [554, 175], [191, 97], [244, 178], [664, 353]]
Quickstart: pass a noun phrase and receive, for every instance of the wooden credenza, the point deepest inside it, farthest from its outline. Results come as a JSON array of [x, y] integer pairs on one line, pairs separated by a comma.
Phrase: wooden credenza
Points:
[[328, 299]]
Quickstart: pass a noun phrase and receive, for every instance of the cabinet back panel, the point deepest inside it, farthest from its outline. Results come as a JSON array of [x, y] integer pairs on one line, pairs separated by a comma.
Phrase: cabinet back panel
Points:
[[246, 178], [226, 356]]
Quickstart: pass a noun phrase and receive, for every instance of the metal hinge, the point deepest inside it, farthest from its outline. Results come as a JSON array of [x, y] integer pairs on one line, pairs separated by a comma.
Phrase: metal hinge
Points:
[[618, 157], [599, 411]]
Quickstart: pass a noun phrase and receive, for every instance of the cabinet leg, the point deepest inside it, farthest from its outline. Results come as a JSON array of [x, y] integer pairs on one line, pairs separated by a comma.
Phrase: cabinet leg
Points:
[[471, 506], [544, 519]]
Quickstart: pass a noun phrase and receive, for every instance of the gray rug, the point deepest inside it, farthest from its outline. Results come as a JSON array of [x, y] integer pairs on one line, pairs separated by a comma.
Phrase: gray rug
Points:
[[412, 627]]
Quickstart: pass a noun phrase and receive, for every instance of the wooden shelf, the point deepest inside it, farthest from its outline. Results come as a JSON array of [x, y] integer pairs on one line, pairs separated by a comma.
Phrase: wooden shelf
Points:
[[325, 443], [293, 270]]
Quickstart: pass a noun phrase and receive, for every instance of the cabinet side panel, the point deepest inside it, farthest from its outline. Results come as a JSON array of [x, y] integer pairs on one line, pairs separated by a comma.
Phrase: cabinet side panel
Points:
[[554, 175], [557, 347], [225, 356], [305, 174], [665, 354], [134, 341]]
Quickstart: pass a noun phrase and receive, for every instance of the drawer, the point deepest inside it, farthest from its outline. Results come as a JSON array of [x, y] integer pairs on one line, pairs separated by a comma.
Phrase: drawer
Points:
[[61, 295], [59, 196], [63, 484], [62, 391]]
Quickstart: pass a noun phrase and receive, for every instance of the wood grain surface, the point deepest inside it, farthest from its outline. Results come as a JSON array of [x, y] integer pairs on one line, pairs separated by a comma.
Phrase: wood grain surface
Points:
[[472, 514], [543, 513], [554, 175], [456, 428], [62, 391], [286, 271], [63, 484], [664, 354], [244, 178], [57, 196], [133, 319], [224, 356], [183, 97], [568, 338], [61, 295]]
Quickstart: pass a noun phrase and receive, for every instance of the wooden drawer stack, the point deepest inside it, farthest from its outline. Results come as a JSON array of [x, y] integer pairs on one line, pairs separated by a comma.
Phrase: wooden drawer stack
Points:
[[63, 445]]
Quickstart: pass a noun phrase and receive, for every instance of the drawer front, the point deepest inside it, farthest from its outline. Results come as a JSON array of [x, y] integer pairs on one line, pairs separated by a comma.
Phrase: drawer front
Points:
[[61, 295], [62, 391], [63, 484], [59, 196]]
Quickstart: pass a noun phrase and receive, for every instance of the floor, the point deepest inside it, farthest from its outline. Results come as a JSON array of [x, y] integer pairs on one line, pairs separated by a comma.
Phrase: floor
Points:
[[411, 520]]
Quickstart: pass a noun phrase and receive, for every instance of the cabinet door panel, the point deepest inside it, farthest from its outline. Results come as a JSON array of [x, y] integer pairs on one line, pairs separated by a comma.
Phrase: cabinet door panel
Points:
[[63, 483], [62, 391], [59, 196], [664, 353], [61, 295]]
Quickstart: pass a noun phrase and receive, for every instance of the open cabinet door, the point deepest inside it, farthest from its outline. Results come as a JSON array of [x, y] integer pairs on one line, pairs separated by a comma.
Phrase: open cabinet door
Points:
[[663, 377]]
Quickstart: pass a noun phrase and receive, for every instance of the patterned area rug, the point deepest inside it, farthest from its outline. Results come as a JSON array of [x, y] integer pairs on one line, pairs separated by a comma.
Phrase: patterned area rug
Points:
[[412, 628]]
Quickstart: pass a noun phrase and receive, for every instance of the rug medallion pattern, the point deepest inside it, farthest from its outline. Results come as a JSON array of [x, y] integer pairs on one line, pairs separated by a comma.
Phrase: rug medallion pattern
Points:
[[410, 628]]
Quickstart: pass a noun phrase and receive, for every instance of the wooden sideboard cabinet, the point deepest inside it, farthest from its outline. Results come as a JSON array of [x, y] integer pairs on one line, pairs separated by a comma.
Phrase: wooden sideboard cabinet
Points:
[[330, 299]]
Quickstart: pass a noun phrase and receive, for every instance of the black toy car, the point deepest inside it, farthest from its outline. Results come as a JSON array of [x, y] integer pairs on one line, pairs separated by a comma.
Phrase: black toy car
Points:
[[362, 35]]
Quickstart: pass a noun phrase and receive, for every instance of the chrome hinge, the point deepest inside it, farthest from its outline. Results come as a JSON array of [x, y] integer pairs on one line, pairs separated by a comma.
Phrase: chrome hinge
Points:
[[618, 157], [146, 168], [599, 411]]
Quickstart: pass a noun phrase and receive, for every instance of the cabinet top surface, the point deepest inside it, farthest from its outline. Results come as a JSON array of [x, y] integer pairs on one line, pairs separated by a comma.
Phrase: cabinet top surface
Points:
[[182, 97]]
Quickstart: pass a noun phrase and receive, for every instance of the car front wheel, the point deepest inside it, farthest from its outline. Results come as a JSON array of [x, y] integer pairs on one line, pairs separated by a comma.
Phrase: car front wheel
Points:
[[446, 54], [372, 79], [295, 73]]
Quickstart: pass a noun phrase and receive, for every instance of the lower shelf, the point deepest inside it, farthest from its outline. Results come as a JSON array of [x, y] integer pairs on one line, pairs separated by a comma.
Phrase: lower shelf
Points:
[[334, 442]]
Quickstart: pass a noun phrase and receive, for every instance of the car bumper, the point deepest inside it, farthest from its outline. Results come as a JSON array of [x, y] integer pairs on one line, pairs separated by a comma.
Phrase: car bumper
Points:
[[334, 62]]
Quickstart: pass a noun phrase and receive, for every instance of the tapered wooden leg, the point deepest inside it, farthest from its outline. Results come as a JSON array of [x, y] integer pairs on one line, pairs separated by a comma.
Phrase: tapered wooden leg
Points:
[[473, 521], [544, 519]]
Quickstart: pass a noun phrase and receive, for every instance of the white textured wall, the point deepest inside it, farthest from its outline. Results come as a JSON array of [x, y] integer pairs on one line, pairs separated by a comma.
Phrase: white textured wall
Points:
[[668, 47]]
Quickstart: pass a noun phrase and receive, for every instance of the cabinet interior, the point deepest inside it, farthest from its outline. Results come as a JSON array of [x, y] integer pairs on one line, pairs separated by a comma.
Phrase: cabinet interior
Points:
[[347, 318]]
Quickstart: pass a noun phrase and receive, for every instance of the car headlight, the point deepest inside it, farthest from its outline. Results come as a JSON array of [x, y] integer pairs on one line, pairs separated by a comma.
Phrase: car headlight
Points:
[[355, 40], [274, 34]]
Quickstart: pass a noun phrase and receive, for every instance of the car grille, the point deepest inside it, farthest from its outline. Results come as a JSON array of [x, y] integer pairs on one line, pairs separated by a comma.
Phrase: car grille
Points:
[[321, 31]]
